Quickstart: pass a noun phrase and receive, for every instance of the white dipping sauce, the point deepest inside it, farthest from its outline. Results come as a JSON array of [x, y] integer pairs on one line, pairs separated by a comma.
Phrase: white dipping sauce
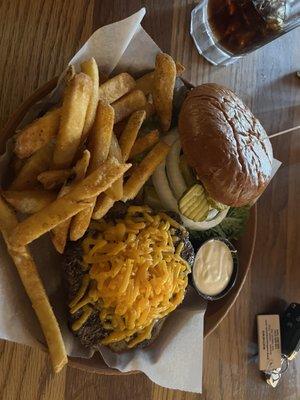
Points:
[[213, 267]]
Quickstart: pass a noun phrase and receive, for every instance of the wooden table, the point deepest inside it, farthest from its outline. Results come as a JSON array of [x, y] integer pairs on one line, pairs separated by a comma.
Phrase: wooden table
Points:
[[37, 38]]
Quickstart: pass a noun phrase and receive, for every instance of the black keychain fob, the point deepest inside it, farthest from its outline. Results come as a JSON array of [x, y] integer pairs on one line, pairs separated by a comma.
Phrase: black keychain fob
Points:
[[290, 331]]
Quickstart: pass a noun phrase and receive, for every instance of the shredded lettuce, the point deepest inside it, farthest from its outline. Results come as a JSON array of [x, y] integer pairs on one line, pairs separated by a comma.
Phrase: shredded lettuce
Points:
[[232, 227]]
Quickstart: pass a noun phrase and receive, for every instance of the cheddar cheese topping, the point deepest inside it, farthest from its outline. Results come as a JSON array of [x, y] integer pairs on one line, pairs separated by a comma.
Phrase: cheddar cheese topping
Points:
[[136, 275]]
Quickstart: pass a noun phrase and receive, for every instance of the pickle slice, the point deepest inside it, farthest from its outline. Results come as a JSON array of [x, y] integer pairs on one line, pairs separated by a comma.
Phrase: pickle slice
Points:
[[215, 204], [194, 205]]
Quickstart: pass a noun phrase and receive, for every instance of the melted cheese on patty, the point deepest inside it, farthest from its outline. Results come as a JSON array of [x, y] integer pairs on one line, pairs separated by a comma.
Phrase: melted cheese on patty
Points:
[[136, 274]]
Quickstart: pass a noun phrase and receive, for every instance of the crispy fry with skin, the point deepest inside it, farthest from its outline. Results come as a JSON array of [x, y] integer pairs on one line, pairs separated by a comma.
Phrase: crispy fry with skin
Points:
[[133, 101], [100, 137], [90, 68], [129, 135], [144, 143], [35, 290], [81, 221], [144, 170], [37, 134], [103, 205], [116, 87], [70, 204], [145, 82], [127, 139], [136, 181], [99, 145], [39, 162], [115, 191], [73, 113], [163, 88], [59, 234], [31, 229], [82, 166], [54, 178], [29, 201]]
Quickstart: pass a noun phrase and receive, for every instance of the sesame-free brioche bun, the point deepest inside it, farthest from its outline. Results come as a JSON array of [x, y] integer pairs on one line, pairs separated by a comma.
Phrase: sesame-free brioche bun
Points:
[[225, 144]]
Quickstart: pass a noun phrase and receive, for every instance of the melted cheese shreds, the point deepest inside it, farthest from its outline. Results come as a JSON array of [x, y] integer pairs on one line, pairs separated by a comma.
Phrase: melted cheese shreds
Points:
[[87, 311], [139, 277]]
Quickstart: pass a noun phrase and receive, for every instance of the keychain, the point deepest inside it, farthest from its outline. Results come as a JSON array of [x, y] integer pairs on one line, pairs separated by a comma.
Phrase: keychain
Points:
[[290, 342]]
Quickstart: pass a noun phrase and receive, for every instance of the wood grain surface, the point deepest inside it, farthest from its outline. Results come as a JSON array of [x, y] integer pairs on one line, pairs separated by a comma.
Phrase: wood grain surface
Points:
[[37, 38]]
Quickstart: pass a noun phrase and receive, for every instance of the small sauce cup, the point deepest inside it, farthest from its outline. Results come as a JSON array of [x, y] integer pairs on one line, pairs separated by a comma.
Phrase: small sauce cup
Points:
[[233, 276]]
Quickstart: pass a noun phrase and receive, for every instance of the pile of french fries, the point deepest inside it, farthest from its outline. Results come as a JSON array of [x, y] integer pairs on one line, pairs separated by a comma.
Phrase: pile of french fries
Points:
[[70, 167]]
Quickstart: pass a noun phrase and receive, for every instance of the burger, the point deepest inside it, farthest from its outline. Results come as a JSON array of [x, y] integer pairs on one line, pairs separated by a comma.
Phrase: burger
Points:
[[125, 276], [221, 157], [225, 144]]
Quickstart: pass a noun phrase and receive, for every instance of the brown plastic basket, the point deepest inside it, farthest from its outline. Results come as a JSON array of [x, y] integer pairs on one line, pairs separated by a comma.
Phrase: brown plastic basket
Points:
[[216, 311]]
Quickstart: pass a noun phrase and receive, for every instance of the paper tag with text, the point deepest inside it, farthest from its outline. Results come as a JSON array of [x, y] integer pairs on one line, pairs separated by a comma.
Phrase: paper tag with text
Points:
[[269, 342]]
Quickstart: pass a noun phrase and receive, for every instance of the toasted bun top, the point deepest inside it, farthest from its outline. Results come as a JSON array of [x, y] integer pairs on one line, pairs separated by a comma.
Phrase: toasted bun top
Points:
[[225, 144]]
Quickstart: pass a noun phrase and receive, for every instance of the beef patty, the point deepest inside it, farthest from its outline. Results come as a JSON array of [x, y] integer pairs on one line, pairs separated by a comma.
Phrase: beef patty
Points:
[[92, 332]]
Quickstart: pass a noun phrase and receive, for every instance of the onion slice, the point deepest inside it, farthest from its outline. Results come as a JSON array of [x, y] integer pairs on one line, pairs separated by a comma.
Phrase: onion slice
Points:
[[204, 225], [161, 184], [171, 137], [174, 174], [160, 179]]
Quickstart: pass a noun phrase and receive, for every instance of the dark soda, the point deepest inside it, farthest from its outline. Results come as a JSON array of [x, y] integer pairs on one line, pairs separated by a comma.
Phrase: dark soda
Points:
[[240, 26]]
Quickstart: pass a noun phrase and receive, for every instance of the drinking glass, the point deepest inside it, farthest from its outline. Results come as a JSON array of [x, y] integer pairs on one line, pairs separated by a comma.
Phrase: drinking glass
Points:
[[225, 30]]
